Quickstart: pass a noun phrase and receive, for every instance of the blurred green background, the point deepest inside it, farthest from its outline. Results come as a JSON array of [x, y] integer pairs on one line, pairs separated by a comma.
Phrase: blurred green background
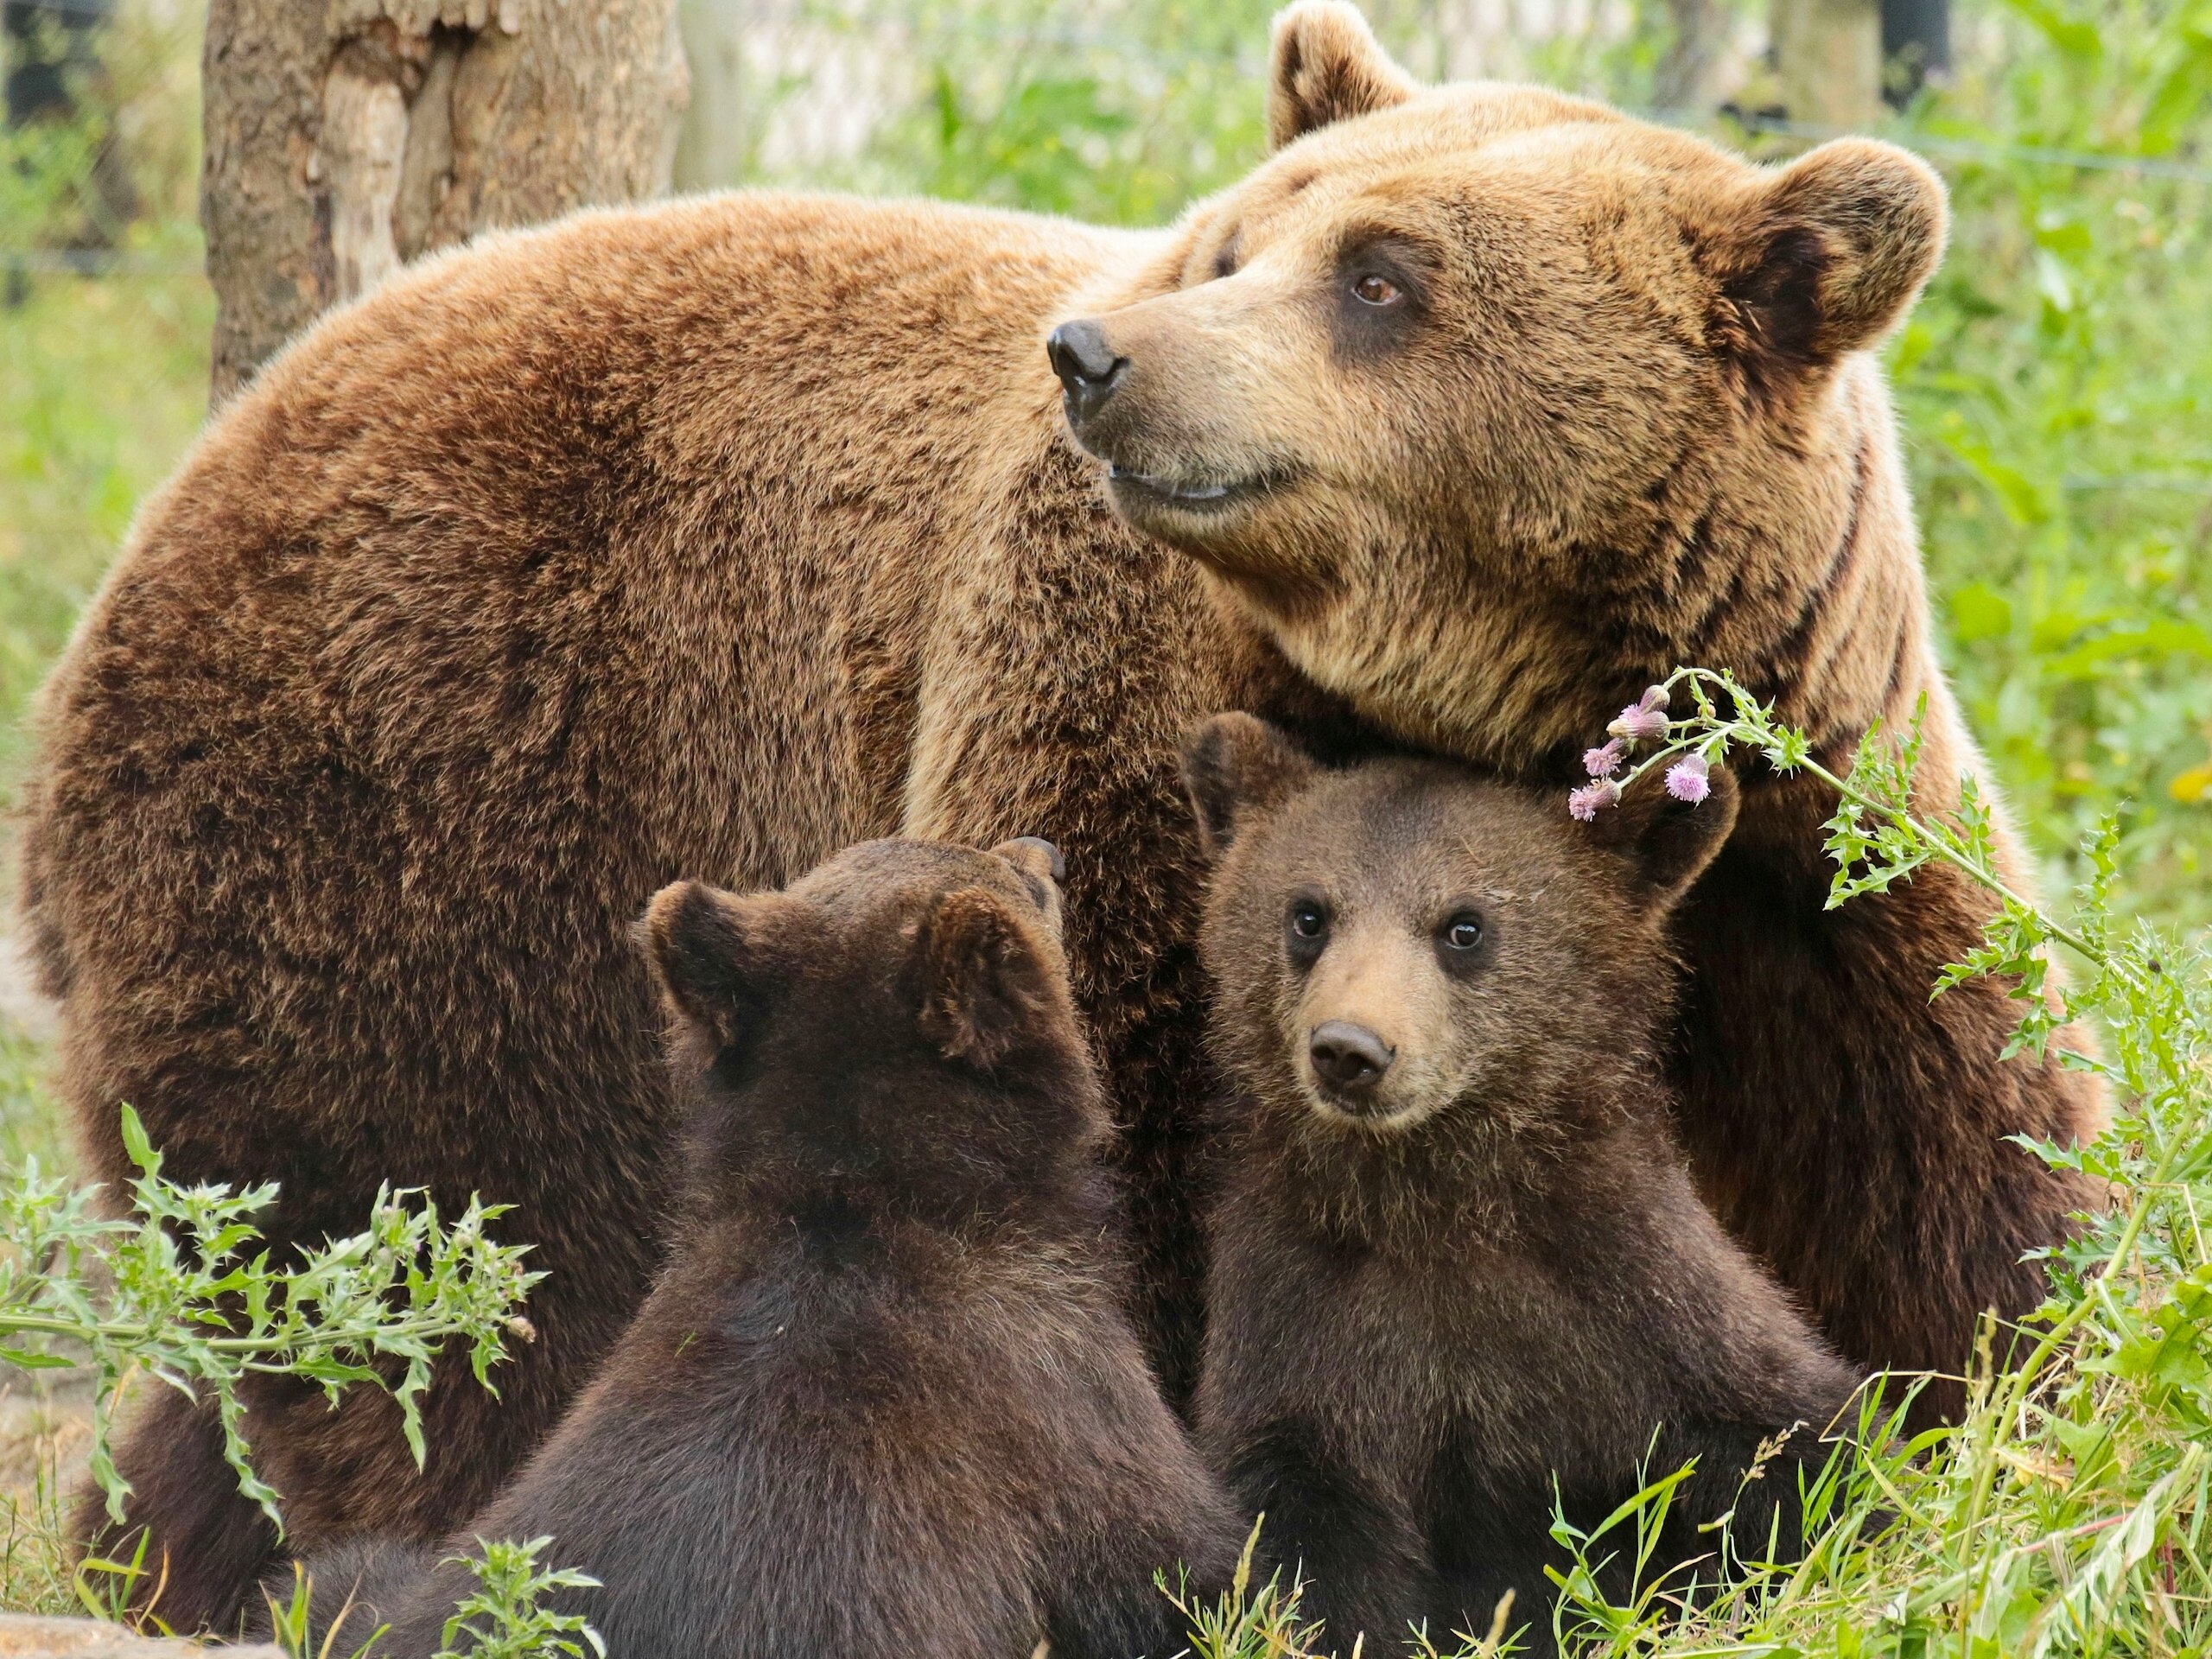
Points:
[[2056, 385]]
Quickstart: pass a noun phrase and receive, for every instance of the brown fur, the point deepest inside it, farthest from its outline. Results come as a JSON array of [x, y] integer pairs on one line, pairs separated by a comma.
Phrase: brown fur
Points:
[[1484, 1270], [884, 1401], [704, 539]]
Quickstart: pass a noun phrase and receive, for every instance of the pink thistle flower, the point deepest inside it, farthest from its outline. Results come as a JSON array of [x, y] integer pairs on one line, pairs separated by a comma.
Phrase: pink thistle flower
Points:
[[1605, 762], [1584, 802], [1644, 720], [1689, 779]]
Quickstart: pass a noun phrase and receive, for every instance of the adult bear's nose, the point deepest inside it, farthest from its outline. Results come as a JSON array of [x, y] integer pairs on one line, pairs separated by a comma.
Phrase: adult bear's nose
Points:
[[1088, 369], [1348, 1057]]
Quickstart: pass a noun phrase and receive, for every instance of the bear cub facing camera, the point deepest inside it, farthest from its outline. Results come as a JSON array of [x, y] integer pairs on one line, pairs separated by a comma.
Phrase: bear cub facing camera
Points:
[[1457, 1255], [884, 1400]]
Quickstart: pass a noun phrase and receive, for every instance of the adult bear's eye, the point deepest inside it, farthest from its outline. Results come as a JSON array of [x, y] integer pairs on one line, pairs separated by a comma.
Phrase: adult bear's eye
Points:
[[1371, 289], [1308, 925], [1464, 932]]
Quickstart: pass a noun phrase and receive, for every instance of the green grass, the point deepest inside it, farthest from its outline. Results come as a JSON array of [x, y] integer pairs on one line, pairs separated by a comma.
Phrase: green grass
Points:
[[102, 385], [2056, 387], [2055, 393], [103, 380], [44, 1423]]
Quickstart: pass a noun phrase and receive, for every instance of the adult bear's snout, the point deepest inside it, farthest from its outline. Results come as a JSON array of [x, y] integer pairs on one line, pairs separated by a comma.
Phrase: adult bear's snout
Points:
[[1087, 367]]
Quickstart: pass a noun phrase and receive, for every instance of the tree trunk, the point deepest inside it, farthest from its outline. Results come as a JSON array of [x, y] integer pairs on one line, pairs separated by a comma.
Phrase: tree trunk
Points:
[[1828, 55], [1683, 85], [1916, 47], [345, 136], [717, 136]]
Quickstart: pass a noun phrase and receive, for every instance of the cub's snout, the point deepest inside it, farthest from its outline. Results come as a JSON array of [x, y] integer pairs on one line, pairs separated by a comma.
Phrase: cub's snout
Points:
[[1365, 1026], [1349, 1060]]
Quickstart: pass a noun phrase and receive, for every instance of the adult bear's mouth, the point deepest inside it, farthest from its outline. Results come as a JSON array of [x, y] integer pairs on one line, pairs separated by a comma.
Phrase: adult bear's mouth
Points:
[[1193, 495]]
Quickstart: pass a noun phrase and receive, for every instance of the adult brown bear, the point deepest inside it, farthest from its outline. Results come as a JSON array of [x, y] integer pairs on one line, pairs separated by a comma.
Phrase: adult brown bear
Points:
[[703, 539]]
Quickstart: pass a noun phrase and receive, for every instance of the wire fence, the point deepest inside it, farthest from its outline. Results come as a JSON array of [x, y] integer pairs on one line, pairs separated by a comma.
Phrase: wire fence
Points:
[[822, 91], [846, 93], [824, 78]]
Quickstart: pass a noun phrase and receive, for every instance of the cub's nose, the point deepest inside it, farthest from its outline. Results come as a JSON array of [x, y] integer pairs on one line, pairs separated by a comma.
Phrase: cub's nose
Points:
[[1088, 369], [1348, 1057]]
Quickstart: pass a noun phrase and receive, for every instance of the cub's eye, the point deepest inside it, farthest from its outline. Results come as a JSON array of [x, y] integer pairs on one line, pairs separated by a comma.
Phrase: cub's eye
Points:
[[1464, 932], [1371, 289], [1307, 925]]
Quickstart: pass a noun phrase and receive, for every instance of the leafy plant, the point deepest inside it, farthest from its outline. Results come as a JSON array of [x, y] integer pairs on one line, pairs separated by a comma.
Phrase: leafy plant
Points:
[[509, 1621], [503, 1618], [179, 1289], [2055, 384], [2066, 1512]]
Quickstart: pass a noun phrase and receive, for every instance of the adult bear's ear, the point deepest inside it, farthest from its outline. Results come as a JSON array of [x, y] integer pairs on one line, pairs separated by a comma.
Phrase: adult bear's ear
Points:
[[985, 980], [1236, 766], [1823, 257], [1327, 67], [716, 955], [1669, 842]]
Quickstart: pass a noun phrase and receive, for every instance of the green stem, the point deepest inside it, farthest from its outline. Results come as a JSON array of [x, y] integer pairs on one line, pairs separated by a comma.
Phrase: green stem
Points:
[[1761, 733], [253, 1348]]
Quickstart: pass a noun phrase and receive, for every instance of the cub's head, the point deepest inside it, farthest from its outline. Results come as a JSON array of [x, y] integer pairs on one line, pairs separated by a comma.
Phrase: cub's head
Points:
[[896, 1021], [1403, 940], [1473, 395]]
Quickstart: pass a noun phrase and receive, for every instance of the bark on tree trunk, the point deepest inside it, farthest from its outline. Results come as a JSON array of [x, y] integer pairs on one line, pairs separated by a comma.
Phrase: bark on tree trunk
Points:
[[1828, 54], [345, 136], [1684, 81], [716, 139]]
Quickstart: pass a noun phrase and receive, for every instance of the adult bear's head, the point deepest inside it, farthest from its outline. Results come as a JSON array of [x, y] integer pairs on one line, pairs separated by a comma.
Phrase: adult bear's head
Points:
[[1490, 404]]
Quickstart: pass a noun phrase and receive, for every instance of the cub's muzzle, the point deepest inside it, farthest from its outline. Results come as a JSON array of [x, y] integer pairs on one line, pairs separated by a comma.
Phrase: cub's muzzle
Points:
[[1348, 1059]]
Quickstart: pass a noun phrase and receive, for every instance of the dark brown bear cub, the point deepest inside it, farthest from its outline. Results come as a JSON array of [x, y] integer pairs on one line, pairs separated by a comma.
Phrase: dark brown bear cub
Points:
[[884, 1400], [1457, 1255]]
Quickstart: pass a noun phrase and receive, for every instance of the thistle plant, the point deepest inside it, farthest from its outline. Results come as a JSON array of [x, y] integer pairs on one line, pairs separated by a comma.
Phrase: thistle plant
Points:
[[2067, 1512], [182, 1288], [503, 1619]]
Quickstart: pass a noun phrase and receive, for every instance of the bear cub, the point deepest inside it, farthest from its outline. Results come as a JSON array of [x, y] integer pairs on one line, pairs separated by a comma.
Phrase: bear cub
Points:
[[884, 1399], [1457, 1255]]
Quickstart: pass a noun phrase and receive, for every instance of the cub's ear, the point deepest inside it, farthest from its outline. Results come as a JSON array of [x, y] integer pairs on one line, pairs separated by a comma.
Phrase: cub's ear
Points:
[[1236, 766], [715, 954], [985, 980], [1327, 67], [1669, 842], [1826, 256]]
